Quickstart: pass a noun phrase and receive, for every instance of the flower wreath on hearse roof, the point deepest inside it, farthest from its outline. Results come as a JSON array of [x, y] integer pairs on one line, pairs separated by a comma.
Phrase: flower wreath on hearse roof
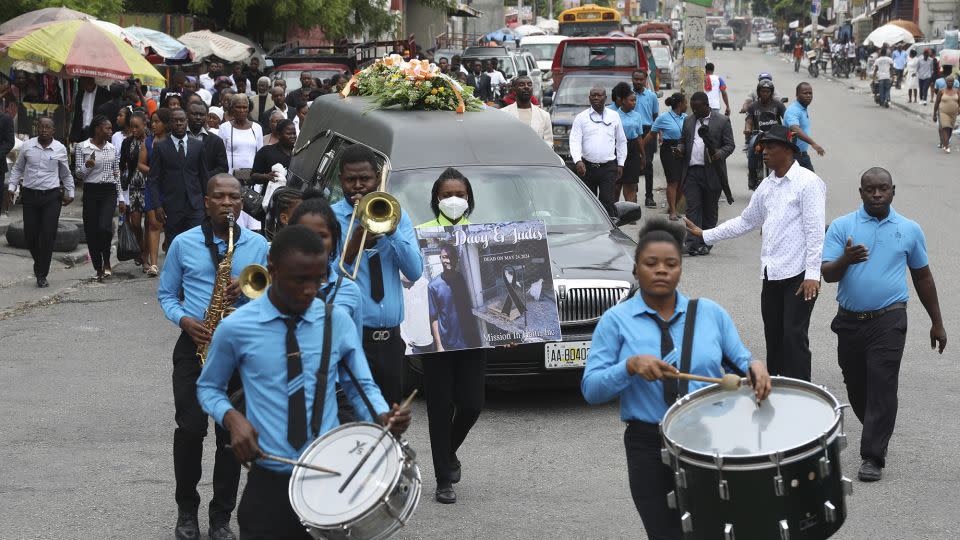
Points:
[[413, 85]]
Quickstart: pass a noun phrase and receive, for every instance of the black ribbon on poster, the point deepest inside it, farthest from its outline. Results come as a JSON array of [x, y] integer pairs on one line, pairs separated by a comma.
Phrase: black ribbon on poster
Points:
[[510, 279]]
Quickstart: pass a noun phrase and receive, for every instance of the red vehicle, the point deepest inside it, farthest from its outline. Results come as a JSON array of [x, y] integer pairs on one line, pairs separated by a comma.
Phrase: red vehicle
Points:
[[319, 70], [606, 54], [657, 38], [656, 28]]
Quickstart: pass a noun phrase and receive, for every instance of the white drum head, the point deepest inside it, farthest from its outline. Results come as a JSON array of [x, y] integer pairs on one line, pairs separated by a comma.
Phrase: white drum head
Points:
[[729, 422], [314, 495]]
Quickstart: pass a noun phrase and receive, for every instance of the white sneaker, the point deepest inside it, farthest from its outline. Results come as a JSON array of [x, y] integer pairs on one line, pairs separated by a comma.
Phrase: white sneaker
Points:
[[947, 150]]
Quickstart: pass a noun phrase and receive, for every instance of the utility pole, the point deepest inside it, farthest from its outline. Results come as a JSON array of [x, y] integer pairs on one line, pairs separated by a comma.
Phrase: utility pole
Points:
[[694, 32]]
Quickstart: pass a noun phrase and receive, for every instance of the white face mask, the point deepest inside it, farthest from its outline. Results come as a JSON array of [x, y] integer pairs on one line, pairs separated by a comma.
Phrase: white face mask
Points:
[[454, 207]]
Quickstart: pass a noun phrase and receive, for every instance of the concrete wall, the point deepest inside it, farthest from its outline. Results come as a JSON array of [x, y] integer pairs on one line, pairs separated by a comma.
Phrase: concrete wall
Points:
[[423, 22], [936, 16]]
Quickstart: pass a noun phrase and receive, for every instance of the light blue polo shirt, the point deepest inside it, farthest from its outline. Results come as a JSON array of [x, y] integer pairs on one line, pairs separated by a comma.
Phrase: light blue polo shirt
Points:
[[892, 245], [670, 124], [648, 105], [797, 115]]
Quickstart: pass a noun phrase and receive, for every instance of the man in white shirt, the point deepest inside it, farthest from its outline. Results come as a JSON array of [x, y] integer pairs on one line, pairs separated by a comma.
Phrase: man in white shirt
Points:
[[528, 113], [882, 68], [598, 147], [496, 78], [789, 205], [209, 79]]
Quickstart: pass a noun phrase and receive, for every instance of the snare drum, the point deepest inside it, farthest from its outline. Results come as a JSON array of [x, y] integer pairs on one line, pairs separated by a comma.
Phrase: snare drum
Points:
[[379, 500], [757, 473]]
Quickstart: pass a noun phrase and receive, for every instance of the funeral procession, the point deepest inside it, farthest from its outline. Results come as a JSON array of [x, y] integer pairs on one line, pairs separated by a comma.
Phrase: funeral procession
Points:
[[479, 269]]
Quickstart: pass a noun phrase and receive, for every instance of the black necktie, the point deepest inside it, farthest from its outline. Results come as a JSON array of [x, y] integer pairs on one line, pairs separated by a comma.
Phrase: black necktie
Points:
[[376, 278], [671, 387], [181, 151], [297, 403]]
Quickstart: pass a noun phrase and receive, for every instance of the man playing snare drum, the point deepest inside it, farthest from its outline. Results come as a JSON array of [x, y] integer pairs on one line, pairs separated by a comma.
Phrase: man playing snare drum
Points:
[[868, 252], [277, 342]]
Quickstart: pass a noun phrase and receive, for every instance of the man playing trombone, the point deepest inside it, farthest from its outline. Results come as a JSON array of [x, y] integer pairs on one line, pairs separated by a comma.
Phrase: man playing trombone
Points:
[[378, 263]]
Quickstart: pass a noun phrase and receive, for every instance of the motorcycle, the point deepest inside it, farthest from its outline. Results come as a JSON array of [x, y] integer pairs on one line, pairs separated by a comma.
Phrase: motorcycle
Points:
[[814, 66], [757, 169]]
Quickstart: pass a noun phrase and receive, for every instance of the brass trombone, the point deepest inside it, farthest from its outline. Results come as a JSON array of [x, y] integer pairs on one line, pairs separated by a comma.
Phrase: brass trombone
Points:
[[377, 212]]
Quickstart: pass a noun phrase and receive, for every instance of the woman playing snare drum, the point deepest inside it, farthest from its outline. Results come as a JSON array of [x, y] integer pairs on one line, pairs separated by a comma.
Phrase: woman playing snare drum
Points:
[[640, 340]]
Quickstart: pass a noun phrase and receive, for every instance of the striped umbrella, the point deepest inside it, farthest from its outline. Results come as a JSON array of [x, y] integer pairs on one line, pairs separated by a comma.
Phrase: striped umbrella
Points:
[[79, 48]]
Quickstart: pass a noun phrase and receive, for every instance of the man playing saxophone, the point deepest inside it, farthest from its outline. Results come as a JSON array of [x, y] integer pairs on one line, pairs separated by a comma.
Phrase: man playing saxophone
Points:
[[191, 267]]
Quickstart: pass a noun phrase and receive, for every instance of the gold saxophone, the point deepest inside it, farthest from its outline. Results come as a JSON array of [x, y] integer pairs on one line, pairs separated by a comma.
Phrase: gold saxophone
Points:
[[253, 279]]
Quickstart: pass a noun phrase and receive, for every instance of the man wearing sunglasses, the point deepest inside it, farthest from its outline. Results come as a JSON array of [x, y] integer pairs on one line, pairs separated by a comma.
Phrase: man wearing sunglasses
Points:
[[598, 147]]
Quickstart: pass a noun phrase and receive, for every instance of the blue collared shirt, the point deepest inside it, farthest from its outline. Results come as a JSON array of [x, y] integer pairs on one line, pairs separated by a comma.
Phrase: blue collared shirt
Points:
[[626, 330], [188, 266], [670, 125], [797, 115], [892, 245], [648, 105], [253, 341], [899, 59], [348, 297], [399, 252], [632, 123], [442, 305]]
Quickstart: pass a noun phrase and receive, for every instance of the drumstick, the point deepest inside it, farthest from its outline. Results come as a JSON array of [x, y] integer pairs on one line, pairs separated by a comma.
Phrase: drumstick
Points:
[[386, 428], [296, 463], [728, 382]]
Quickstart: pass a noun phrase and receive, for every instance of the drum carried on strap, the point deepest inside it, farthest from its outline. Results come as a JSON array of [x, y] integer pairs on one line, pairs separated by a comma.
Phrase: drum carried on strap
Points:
[[375, 504], [747, 472]]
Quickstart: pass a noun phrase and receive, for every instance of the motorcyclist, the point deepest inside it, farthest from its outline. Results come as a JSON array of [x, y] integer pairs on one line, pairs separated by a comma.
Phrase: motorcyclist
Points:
[[763, 76], [762, 114]]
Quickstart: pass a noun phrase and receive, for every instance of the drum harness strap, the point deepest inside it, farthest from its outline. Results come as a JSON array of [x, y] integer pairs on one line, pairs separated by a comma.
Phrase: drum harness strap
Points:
[[320, 397], [688, 328], [325, 361]]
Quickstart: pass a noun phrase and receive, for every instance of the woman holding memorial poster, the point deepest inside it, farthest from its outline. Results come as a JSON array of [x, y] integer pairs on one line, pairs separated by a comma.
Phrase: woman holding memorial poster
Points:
[[454, 381]]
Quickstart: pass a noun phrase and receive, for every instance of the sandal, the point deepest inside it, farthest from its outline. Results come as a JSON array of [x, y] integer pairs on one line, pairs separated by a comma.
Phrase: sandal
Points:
[[153, 271]]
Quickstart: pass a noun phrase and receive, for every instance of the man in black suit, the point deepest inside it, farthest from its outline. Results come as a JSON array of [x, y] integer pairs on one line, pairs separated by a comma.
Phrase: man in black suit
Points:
[[178, 177], [705, 144], [480, 82], [111, 109], [214, 151], [85, 103]]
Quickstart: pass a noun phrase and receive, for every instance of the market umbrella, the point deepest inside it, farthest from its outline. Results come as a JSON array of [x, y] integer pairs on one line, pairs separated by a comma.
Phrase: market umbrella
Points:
[[162, 44], [809, 28], [79, 48], [44, 15], [205, 43], [888, 34], [909, 26]]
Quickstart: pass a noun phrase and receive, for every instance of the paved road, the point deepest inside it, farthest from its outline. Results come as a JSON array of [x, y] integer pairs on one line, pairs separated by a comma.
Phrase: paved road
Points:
[[85, 383]]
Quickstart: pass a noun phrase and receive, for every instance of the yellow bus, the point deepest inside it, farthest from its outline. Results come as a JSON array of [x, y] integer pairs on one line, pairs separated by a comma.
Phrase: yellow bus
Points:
[[589, 20]]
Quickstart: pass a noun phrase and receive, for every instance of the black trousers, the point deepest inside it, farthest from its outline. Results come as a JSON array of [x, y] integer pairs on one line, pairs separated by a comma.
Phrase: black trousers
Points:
[[869, 353], [650, 481], [41, 217], [99, 205], [265, 512], [703, 207], [455, 383], [650, 149], [786, 320], [388, 362], [188, 440], [803, 158], [182, 224], [602, 179]]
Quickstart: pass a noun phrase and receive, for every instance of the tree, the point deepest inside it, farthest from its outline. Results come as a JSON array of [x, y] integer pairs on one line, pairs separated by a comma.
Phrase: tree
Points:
[[98, 8]]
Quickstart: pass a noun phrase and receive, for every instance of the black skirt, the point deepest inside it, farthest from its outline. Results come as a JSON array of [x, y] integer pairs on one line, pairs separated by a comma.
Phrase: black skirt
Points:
[[633, 166], [672, 166]]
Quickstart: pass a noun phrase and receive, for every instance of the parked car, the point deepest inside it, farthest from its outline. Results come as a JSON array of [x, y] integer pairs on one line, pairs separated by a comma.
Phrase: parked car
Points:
[[725, 38], [666, 67], [766, 37], [509, 63], [543, 49], [291, 72], [571, 98], [599, 54], [514, 177]]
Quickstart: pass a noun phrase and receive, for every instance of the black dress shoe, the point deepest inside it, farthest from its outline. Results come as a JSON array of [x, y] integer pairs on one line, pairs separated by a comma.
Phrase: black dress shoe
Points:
[[455, 469], [693, 251], [650, 203], [870, 471], [221, 532], [704, 250], [187, 527], [446, 495], [42, 282]]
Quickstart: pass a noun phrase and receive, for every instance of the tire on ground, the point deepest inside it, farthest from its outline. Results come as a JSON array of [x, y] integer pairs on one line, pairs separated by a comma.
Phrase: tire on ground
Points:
[[68, 237]]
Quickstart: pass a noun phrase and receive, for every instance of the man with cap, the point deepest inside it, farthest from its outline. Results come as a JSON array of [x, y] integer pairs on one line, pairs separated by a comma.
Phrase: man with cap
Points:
[[789, 205], [868, 251]]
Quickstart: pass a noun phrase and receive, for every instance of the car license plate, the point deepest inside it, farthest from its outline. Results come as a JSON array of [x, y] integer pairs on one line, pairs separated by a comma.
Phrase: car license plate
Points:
[[566, 354]]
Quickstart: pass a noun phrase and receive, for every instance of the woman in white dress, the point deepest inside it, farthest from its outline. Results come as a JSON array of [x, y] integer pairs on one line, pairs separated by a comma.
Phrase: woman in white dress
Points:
[[913, 82], [242, 138]]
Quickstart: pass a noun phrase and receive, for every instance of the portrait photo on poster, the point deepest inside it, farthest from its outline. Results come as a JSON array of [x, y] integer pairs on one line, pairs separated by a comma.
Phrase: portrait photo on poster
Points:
[[483, 285]]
